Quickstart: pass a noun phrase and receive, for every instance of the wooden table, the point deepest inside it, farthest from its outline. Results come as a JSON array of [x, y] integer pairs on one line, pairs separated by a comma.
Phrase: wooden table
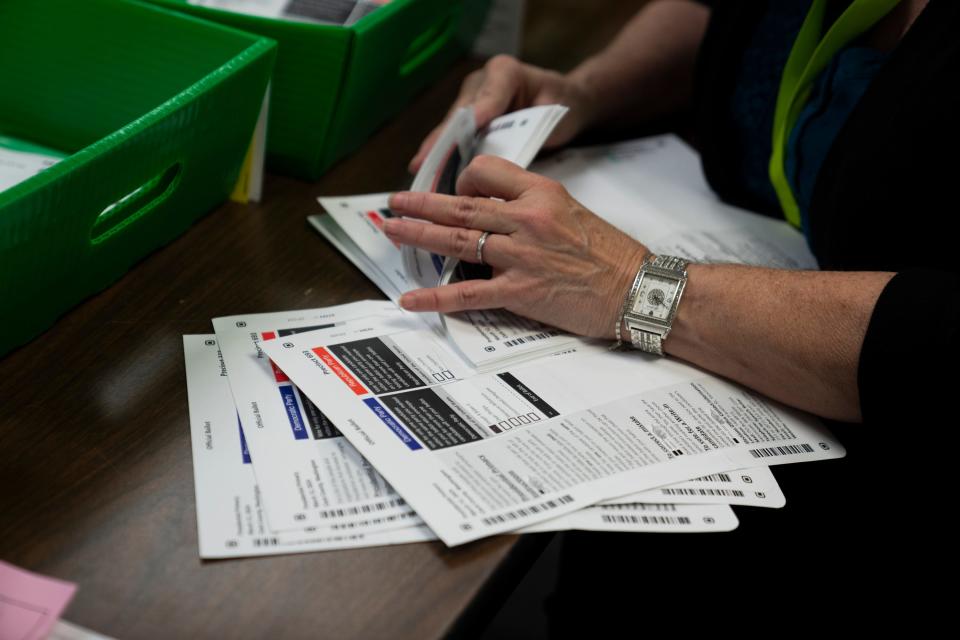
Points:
[[97, 472], [95, 464]]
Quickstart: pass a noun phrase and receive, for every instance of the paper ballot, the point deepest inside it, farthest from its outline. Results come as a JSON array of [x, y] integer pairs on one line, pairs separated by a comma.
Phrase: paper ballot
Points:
[[481, 442], [516, 137], [640, 517], [354, 226], [354, 223], [654, 190], [479, 454], [232, 520], [308, 473], [484, 337], [754, 487]]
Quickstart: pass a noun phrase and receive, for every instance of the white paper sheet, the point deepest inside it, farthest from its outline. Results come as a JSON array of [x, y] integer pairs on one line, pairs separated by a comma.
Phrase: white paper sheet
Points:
[[231, 518], [17, 166], [309, 475], [450, 155], [478, 454], [654, 190], [335, 12], [754, 487], [644, 518], [64, 630], [360, 219]]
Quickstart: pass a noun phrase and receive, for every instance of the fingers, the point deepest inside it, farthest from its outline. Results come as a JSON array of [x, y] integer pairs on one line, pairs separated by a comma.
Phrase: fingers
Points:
[[470, 213], [425, 147], [460, 296], [491, 92], [498, 249], [468, 91], [502, 81], [495, 178]]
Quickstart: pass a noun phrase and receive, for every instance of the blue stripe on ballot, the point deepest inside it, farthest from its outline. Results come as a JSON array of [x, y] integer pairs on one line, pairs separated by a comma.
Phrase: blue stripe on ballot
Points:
[[388, 420]]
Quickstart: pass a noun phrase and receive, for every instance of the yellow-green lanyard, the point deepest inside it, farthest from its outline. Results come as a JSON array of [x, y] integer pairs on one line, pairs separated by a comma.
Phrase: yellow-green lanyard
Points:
[[809, 56]]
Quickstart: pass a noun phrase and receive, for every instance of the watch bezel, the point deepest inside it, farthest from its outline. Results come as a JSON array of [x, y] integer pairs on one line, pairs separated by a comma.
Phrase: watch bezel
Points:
[[666, 323]]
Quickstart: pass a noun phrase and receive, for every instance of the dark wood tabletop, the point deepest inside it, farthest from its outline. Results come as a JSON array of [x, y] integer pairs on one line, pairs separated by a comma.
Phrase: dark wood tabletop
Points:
[[96, 478]]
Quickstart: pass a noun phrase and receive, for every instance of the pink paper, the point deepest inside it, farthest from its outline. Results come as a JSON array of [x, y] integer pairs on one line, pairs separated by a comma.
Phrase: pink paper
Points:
[[30, 604]]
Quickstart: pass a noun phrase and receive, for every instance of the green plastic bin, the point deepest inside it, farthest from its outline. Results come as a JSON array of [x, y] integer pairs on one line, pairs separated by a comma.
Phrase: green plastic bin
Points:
[[334, 86], [154, 112]]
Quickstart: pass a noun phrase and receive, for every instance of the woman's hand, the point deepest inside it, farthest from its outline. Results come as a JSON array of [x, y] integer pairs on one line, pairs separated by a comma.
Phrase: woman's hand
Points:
[[505, 84], [553, 260]]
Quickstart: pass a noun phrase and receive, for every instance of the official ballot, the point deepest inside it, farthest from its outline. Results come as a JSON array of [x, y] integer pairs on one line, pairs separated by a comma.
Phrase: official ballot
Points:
[[477, 454], [363, 424], [354, 225], [309, 474], [233, 519]]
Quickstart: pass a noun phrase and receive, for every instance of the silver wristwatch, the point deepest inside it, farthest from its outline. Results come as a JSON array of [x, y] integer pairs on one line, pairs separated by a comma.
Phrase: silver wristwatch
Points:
[[651, 304]]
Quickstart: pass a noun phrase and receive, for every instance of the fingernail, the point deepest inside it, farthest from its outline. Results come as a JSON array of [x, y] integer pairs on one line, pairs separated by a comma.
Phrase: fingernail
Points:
[[408, 302], [398, 200], [390, 226]]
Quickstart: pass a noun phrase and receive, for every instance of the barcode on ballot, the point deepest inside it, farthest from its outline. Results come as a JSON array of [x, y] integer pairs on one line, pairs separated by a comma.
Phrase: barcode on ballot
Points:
[[265, 542], [635, 506], [398, 517], [726, 493], [531, 338], [716, 477], [631, 519], [785, 450], [362, 508], [527, 511]]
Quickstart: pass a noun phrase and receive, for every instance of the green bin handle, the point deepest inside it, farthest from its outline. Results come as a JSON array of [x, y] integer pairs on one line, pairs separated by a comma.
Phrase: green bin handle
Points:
[[423, 47], [136, 204]]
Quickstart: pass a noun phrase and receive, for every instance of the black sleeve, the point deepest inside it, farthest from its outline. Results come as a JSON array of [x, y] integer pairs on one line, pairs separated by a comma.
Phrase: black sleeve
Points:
[[907, 361]]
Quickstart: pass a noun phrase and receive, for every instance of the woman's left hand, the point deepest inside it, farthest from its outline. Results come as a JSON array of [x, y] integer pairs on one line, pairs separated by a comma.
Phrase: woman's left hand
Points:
[[553, 260]]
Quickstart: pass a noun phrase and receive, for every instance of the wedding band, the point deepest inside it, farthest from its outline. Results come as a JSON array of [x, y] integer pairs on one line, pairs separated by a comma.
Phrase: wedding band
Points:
[[482, 241]]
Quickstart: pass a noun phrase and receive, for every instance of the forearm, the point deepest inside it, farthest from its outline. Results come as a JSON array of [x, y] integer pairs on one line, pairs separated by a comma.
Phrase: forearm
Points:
[[648, 69], [792, 335]]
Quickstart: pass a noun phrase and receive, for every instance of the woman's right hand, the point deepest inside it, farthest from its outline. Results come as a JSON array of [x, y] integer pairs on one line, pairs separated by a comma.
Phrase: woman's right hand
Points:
[[505, 84]]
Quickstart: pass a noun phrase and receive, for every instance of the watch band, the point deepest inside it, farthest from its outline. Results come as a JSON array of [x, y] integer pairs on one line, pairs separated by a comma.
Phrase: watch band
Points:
[[646, 341], [671, 263], [628, 296]]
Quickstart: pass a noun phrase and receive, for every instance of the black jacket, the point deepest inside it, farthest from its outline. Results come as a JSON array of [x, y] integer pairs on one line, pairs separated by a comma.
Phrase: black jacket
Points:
[[885, 200], [860, 538]]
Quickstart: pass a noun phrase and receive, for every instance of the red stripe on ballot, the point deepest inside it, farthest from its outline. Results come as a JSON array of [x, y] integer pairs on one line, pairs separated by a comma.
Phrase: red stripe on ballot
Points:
[[278, 373], [338, 369]]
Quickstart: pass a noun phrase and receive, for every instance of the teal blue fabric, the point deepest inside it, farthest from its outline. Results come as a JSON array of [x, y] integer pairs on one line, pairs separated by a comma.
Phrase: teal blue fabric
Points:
[[834, 96], [753, 100]]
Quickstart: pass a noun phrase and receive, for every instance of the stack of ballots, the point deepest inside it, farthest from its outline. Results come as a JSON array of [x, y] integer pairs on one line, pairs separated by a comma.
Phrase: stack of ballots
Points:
[[363, 425]]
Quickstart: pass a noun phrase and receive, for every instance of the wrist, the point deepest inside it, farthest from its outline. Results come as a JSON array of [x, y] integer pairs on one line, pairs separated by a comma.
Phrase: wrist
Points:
[[585, 89], [650, 307]]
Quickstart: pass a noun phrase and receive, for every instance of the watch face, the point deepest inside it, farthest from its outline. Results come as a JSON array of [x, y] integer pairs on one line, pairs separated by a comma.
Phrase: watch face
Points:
[[655, 297]]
